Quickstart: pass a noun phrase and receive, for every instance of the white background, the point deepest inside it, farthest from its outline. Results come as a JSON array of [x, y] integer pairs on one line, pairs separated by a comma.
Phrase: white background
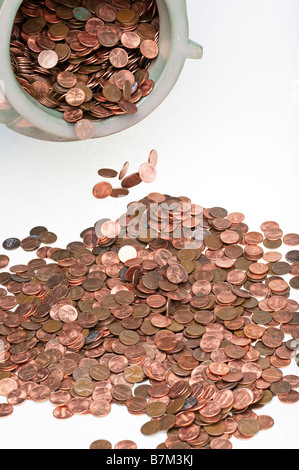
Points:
[[227, 135]]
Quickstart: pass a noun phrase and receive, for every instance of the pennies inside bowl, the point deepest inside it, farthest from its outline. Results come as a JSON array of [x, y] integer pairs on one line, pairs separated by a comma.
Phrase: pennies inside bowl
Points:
[[86, 61]]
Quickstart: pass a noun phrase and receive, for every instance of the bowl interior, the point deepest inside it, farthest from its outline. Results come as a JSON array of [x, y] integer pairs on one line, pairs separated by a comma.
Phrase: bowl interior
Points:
[[164, 71]]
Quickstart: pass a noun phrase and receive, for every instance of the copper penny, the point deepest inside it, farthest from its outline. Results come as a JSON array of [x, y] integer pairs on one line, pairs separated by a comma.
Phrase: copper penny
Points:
[[102, 190], [100, 444], [118, 57], [100, 408], [47, 59], [147, 172], [5, 410], [126, 445], [84, 129], [149, 49]]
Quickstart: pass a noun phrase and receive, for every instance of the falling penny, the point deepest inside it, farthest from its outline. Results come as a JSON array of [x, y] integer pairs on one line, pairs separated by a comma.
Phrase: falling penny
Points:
[[102, 190]]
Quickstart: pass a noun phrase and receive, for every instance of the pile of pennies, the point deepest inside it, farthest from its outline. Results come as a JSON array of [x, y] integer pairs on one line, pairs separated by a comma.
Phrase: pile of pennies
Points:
[[147, 173], [191, 327], [88, 59]]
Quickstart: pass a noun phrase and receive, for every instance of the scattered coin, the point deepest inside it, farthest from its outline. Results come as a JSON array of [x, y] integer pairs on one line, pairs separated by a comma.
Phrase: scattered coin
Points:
[[127, 445], [84, 129], [101, 444], [11, 243]]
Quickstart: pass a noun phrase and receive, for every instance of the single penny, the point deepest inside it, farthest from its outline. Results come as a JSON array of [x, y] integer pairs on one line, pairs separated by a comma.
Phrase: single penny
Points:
[[102, 190]]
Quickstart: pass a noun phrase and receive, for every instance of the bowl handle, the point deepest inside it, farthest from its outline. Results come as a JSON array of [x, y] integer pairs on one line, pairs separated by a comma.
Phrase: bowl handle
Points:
[[194, 50]]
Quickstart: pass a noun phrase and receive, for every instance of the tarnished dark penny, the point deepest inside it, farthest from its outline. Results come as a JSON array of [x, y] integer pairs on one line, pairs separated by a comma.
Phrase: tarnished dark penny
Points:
[[131, 181], [292, 256], [11, 244], [249, 427], [155, 409], [151, 427]]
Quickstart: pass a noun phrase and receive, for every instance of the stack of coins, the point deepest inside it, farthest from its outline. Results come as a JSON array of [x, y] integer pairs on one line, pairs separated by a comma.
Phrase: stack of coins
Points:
[[186, 319], [88, 59]]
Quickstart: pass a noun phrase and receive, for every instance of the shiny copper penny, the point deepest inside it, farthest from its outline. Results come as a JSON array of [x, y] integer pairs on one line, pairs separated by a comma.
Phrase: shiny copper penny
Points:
[[291, 239], [149, 49], [100, 408], [102, 190], [265, 422], [60, 398], [40, 393], [84, 129], [62, 412], [48, 59], [130, 40], [75, 97], [17, 397], [289, 398], [73, 115], [126, 445], [147, 172], [7, 385], [118, 57]]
